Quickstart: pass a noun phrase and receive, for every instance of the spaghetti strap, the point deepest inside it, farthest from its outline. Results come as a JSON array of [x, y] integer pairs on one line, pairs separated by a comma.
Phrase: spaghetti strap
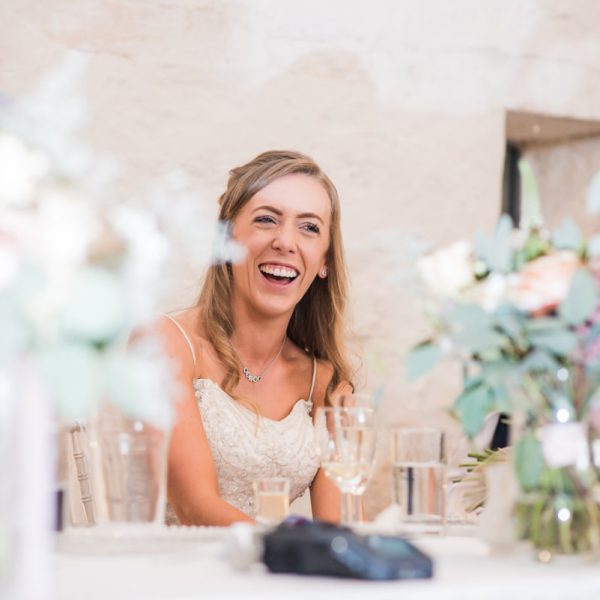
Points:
[[314, 378], [185, 335]]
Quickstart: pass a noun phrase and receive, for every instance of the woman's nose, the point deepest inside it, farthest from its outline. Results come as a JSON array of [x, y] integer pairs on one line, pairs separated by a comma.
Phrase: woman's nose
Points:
[[285, 239]]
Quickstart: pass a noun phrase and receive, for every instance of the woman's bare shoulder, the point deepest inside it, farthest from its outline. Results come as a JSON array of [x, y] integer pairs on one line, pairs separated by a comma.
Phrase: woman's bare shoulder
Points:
[[324, 376], [180, 336]]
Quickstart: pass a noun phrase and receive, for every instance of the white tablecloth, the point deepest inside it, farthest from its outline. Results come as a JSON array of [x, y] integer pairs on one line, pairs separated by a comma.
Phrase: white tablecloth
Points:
[[192, 569]]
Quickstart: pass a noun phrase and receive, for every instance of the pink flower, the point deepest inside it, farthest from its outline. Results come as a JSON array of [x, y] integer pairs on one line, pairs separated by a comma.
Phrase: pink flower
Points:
[[542, 284]]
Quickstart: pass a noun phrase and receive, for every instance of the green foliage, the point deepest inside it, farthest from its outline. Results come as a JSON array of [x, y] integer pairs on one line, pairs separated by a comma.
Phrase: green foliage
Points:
[[530, 197], [593, 248], [473, 329], [496, 252], [559, 341], [567, 236], [421, 359], [581, 300], [472, 406], [529, 461], [593, 196]]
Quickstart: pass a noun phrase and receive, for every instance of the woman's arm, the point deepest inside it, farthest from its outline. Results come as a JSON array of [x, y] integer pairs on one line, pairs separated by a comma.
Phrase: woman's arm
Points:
[[192, 487]]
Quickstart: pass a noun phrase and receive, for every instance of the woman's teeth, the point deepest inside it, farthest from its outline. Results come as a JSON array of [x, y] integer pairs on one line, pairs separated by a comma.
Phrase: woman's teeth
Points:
[[279, 271]]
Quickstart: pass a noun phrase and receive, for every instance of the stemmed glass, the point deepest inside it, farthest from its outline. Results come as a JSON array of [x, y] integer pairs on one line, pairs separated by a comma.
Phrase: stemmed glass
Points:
[[346, 442]]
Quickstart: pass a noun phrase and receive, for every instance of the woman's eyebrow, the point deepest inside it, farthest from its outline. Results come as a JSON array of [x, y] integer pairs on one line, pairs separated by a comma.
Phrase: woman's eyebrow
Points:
[[310, 216], [269, 208]]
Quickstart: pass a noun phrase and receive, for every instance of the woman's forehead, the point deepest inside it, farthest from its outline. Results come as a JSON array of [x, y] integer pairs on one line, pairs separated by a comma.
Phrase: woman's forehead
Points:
[[296, 193]]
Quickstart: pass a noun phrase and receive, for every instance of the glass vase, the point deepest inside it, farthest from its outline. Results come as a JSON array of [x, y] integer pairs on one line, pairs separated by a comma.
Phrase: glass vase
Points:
[[560, 515]]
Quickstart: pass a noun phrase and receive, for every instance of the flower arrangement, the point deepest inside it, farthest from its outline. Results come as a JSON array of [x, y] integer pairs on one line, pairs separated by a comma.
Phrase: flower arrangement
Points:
[[81, 266], [520, 310]]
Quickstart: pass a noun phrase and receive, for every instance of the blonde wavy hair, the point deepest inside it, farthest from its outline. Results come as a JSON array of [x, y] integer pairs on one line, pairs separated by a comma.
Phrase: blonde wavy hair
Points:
[[317, 322]]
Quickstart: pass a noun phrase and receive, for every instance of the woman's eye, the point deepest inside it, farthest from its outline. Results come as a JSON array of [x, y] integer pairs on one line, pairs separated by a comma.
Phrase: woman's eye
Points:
[[312, 227], [264, 219]]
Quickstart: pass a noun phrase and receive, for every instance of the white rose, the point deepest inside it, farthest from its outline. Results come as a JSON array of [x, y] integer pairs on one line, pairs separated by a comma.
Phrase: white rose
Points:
[[20, 171], [449, 270], [490, 292]]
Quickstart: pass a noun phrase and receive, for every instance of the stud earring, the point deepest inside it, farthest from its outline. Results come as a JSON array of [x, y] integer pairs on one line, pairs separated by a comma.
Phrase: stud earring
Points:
[[323, 272]]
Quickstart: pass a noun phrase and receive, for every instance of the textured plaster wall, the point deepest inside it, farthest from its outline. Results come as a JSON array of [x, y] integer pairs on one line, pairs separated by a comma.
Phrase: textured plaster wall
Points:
[[401, 102]]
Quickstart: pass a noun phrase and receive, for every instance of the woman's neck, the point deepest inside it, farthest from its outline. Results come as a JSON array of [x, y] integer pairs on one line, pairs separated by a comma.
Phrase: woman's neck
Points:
[[257, 338]]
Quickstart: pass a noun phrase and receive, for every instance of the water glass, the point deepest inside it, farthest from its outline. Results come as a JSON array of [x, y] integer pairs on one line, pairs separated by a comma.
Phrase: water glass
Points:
[[272, 499], [133, 456], [419, 477]]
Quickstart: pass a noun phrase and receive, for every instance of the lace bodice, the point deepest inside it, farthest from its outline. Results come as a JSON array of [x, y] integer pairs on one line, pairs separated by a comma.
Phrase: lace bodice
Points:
[[246, 447]]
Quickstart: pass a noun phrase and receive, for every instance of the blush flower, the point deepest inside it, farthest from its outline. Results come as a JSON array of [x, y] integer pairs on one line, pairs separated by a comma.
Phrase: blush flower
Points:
[[542, 284]]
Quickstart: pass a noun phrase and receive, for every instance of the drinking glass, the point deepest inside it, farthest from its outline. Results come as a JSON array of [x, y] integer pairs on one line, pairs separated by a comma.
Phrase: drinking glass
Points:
[[272, 498], [346, 443], [419, 476], [360, 400]]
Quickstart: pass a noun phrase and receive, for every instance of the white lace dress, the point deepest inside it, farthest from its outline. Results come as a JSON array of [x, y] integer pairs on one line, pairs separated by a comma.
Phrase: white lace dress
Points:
[[246, 447]]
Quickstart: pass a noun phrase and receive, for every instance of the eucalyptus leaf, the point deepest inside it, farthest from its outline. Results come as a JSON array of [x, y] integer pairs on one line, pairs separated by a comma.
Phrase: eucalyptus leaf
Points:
[[470, 315], [529, 461], [471, 383], [593, 195], [472, 407], [473, 329], [530, 198], [543, 324], [501, 398], [421, 359], [483, 341], [560, 342], [497, 251], [582, 299], [539, 361], [567, 236], [508, 320], [594, 246], [72, 374]]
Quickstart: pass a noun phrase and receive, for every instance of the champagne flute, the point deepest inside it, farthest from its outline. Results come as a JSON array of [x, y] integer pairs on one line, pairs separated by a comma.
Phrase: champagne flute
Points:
[[354, 400], [346, 442]]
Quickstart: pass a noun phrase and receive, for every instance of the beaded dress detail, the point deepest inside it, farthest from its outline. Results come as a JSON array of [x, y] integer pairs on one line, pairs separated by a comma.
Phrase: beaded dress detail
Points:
[[246, 446]]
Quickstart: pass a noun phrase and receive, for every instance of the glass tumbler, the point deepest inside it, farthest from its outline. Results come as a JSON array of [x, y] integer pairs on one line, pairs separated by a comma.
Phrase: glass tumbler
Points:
[[419, 477], [272, 499]]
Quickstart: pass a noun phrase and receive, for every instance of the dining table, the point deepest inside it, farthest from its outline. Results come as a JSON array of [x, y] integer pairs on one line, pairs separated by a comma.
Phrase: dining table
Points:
[[196, 563]]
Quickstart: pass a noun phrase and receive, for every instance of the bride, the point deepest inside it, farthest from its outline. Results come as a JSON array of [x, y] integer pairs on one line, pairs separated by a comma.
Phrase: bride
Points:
[[262, 349]]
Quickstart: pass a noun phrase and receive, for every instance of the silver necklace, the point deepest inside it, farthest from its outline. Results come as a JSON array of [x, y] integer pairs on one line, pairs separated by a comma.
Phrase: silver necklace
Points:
[[256, 378]]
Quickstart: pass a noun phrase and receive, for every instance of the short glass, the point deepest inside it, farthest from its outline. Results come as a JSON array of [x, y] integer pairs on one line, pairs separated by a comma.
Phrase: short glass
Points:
[[272, 499], [419, 477]]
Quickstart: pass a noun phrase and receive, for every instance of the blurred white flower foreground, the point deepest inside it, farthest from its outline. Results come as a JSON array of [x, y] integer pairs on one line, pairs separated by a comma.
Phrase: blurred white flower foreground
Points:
[[80, 268]]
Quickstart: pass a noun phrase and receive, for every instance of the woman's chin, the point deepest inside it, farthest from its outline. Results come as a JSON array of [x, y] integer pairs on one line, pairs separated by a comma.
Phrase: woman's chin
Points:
[[275, 307]]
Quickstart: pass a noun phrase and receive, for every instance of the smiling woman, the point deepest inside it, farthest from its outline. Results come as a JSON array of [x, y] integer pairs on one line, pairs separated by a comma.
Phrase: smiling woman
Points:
[[262, 348]]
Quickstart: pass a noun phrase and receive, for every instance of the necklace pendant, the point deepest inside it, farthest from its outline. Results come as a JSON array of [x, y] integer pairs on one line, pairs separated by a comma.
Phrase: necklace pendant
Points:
[[251, 378]]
